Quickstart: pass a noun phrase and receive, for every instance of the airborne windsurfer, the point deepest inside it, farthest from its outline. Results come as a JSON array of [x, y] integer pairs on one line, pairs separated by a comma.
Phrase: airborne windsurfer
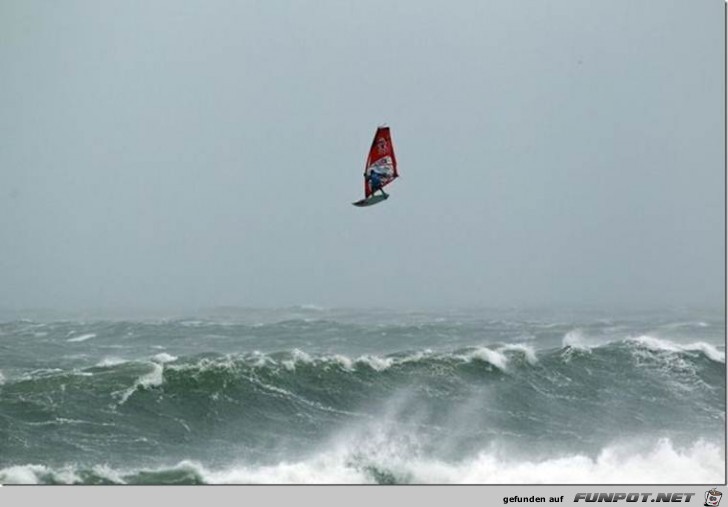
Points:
[[380, 169], [375, 182]]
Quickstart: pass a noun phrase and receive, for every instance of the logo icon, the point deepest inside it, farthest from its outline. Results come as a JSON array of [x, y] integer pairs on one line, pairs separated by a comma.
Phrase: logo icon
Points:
[[712, 497], [382, 146]]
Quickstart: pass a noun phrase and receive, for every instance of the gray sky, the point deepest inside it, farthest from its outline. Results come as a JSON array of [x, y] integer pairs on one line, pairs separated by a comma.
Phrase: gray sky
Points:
[[183, 154]]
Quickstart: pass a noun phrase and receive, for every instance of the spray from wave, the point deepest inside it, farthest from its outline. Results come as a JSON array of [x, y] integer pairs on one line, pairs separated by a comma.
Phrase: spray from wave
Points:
[[660, 345], [662, 463]]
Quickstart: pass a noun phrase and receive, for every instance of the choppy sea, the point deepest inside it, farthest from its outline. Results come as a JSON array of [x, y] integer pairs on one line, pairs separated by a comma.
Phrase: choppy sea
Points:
[[328, 396]]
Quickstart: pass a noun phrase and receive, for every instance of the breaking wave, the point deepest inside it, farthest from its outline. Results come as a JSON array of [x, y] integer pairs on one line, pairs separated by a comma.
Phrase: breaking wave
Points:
[[661, 463]]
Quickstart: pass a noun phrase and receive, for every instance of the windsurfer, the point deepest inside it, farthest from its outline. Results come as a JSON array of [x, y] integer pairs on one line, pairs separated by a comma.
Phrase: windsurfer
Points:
[[375, 182], [380, 169]]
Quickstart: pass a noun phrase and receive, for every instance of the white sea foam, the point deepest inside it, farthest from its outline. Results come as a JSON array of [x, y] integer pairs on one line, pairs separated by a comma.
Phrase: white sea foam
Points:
[[154, 378], [494, 357], [527, 351], [163, 357], [709, 350], [35, 474], [416, 357], [575, 339], [661, 345], [258, 358], [343, 361], [652, 343], [110, 361], [497, 358], [82, 338], [661, 463], [301, 356], [297, 356], [2, 378], [57, 421], [376, 363], [39, 373], [323, 469], [108, 473], [205, 364]]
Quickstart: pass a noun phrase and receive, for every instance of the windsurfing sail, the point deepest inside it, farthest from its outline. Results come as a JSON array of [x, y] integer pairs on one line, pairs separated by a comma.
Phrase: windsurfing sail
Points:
[[381, 159]]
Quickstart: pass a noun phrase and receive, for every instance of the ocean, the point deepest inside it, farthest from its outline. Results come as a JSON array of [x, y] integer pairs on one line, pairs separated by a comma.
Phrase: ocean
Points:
[[309, 395]]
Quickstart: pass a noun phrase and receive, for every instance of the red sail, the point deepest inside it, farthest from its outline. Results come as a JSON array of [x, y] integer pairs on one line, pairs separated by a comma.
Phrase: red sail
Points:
[[381, 159]]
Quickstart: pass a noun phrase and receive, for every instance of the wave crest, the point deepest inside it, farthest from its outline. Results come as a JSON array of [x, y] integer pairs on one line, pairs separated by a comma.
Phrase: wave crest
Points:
[[660, 345]]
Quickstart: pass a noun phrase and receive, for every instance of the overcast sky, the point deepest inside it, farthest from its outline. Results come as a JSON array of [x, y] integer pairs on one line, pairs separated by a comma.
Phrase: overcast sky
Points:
[[183, 154]]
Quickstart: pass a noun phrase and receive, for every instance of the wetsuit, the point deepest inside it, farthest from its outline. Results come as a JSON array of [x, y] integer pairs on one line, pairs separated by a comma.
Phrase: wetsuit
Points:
[[375, 180]]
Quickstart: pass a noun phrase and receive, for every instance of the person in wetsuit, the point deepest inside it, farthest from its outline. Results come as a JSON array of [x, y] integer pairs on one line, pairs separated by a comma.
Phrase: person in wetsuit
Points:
[[375, 182]]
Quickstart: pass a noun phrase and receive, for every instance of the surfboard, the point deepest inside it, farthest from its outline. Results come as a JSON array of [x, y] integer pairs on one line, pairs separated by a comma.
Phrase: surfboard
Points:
[[371, 200], [381, 160]]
